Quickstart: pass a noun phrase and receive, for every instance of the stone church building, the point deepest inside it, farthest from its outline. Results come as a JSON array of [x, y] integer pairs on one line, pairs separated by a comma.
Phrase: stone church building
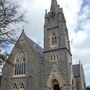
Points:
[[31, 67]]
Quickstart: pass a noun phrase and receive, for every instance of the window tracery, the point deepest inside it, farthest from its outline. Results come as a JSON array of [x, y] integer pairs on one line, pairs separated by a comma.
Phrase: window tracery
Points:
[[53, 39], [20, 64]]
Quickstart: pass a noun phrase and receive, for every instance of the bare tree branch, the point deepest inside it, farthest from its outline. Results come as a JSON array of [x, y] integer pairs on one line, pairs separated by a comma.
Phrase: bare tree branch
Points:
[[9, 17]]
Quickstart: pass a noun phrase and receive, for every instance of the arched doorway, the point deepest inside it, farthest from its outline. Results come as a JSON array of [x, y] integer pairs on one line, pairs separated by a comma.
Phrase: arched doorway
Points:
[[56, 85]]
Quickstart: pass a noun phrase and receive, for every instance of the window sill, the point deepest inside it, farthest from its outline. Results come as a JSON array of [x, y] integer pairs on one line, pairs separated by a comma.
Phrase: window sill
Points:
[[53, 46], [19, 76]]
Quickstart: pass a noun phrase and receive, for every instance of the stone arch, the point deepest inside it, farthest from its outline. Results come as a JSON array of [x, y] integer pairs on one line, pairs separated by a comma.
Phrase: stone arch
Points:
[[20, 63], [52, 79], [55, 85]]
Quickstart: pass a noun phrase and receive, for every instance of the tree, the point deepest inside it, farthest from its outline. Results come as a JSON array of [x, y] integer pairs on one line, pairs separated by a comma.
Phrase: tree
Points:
[[3, 58], [10, 16]]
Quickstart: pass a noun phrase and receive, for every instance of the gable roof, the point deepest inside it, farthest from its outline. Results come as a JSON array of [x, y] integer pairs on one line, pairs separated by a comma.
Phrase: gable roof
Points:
[[37, 50]]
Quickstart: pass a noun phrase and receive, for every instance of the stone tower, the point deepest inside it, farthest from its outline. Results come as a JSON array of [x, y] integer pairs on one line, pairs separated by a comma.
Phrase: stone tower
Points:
[[58, 63]]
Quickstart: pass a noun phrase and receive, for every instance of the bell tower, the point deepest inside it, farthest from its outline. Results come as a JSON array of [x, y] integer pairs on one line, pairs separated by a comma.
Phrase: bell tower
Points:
[[55, 30], [57, 54]]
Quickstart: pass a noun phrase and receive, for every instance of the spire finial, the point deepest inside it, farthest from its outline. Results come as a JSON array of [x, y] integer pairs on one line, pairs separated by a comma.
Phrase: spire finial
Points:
[[23, 29], [45, 12]]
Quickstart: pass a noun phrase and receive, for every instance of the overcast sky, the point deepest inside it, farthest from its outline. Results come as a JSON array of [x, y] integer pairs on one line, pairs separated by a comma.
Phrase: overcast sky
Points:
[[77, 14]]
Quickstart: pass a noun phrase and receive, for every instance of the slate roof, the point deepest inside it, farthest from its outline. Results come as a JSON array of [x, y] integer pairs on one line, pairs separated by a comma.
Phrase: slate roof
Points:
[[76, 70], [36, 49]]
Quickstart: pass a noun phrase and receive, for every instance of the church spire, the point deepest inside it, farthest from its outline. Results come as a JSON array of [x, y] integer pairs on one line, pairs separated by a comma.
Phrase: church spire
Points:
[[54, 5]]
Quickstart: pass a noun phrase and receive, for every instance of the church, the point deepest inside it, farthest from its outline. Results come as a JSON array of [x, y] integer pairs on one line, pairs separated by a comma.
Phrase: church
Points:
[[31, 67]]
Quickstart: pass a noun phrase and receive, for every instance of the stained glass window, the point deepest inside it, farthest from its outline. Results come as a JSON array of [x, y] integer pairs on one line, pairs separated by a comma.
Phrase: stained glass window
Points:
[[20, 64]]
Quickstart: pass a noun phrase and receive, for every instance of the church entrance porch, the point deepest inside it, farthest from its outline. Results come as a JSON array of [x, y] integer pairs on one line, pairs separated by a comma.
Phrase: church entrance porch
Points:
[[56, 85]]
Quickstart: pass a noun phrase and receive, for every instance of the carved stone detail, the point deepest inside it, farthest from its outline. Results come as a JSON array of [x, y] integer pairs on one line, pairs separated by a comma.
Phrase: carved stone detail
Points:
[[55, 74]]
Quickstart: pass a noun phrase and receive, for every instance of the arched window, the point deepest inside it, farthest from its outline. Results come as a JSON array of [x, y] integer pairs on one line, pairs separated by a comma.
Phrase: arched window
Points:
[[20, 64], [22, 86], [54, 57], [14, 87], [56, 85], [53, 39], [51, 58]]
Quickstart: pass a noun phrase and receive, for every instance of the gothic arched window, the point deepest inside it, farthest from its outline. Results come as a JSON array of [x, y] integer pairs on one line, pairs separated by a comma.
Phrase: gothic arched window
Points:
[[22, 86], [54, 57], [20, 64], [14, 87], [53, 39]]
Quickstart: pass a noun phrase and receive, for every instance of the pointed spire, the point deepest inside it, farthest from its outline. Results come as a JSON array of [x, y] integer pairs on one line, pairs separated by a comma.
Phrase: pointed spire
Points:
[[54, 5]]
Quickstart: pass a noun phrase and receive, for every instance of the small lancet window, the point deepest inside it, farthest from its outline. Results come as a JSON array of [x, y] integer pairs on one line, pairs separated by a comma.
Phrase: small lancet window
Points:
[[52, 14], [22, 86], [51, 57], [54, 57], [20, 64], [14, 87]]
